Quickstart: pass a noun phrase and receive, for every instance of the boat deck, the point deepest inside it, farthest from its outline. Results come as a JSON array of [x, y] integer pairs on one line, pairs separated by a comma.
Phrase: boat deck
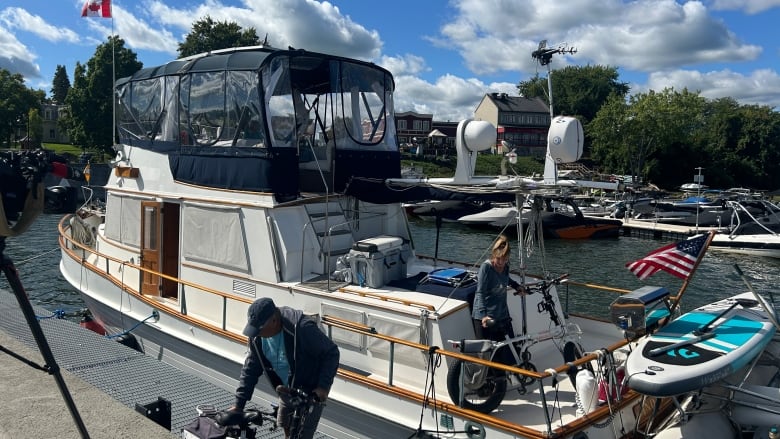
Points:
[[124, 374]]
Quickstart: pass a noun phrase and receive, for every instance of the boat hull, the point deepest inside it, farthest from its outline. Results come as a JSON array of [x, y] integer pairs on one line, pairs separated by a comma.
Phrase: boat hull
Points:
[[765, 245]]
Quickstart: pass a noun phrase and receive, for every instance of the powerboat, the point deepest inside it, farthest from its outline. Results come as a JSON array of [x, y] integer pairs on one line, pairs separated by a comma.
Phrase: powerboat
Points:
[[751, 231], [559, 217], [200, 221]]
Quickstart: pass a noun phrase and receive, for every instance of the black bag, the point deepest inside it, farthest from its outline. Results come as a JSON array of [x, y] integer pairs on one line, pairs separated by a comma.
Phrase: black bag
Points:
[[203, 427]]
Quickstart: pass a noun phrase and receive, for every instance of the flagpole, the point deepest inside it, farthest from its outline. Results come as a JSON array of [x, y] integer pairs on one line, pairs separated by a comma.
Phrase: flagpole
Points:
[[684, 286], [113, 79]]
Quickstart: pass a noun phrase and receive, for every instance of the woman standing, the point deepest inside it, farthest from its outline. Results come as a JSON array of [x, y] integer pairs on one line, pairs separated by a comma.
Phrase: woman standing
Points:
[[491, 312]]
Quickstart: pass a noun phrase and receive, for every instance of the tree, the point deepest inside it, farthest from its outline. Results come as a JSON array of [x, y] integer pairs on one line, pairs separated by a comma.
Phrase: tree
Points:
[[651, 129], [209, 35], [16, 100], [60, 85], [577, 90], [91, 98], [35, 127], [742, 144]]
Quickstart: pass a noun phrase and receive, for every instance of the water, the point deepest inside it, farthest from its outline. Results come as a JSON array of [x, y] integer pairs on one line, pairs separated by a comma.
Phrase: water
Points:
[[36, 257]]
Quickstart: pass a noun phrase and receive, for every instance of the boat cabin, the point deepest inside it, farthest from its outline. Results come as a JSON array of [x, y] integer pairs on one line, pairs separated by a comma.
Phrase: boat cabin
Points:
[[248, 119]]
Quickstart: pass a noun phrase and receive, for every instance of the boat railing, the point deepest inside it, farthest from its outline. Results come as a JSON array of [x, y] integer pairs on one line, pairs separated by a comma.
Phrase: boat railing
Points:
[[332, 322], [188, 302], [218, 318], [738, 207]]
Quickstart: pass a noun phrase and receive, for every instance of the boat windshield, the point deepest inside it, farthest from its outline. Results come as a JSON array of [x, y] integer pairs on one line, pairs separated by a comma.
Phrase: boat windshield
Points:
[[289, 99], [314, 103]]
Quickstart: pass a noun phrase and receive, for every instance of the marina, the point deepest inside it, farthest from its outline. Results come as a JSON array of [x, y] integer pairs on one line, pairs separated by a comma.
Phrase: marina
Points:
[[336, 244]]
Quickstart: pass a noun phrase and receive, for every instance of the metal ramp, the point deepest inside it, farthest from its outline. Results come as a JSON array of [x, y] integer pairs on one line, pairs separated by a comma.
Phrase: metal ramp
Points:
[[123, 373]]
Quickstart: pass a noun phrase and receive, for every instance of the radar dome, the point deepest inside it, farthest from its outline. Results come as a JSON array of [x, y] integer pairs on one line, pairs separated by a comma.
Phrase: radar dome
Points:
[[565, 139], [479, 135]]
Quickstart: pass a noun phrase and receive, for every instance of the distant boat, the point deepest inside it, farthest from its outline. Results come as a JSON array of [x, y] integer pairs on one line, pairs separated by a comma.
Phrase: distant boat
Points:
[[693, 187], [751, 233], [561, 218], [447, 210]]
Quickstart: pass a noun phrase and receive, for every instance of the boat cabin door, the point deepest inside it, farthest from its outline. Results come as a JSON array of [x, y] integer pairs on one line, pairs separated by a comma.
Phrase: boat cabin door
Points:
[[150, 246]]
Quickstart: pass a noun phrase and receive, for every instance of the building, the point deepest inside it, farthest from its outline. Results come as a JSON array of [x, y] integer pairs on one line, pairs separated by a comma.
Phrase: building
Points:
[[50, 130], [412, 128], [520, 121]]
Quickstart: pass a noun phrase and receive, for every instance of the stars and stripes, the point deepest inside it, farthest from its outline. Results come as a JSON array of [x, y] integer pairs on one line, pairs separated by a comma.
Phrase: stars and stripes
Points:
[[678, 259]]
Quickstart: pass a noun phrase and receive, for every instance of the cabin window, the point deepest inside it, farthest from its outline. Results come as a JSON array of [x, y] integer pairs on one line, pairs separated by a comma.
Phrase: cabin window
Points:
[[366, 102], [124, 219], [281, 111], [140, 108], [402, 354], [317, 105], [207, 108], [214, 235], [244, 116]]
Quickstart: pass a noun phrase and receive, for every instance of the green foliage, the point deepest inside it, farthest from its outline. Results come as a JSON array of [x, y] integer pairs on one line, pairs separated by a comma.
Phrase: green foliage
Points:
[[577, 90], [16, 100], [207, 35], [91, 97], [35, 126], [487, 165], [60, 85], [664, 136]]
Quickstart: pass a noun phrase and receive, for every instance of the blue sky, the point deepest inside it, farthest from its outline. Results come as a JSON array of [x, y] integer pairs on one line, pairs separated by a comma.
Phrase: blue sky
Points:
[[445, 55]]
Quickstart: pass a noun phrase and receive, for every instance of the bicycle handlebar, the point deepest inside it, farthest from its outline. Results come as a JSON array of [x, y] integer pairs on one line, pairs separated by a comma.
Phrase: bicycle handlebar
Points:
[[544, 286], [296, 397]]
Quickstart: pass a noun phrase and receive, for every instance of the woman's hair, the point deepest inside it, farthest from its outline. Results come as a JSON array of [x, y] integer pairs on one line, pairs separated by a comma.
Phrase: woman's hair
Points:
[[500, 247]]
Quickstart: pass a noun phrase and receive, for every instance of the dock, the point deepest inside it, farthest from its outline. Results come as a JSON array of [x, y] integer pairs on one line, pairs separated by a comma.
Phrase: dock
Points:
[[656, 230], [116, 390]]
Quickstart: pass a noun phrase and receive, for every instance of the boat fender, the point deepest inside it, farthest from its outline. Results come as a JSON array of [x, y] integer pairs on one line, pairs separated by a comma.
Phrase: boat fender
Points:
[[129, 340], [586, 392], [88, 322], [620, 374]]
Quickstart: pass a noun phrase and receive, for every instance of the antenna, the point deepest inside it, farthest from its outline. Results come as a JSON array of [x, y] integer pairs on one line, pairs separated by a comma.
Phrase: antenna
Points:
[[544, 54]]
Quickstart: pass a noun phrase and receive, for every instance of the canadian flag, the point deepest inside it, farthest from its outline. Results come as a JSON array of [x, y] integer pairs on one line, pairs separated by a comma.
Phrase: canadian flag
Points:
[[97, 8]]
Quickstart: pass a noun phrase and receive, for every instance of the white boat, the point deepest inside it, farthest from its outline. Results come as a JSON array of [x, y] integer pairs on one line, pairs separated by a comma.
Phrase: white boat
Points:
[[751, 233], [199, 222], [495, 216]]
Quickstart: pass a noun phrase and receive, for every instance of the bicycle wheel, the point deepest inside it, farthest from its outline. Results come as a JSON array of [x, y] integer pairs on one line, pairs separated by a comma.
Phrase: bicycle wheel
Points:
[[571, 352], [483, 388]]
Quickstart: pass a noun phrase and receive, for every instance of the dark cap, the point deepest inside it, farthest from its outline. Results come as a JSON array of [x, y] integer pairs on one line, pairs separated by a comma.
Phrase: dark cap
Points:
[[259, 313]]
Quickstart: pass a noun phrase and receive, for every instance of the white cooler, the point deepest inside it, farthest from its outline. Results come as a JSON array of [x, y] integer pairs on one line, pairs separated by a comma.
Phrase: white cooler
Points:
[[376, 261]]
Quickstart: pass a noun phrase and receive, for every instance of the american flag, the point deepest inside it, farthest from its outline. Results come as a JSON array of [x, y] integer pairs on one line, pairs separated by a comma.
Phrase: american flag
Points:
[[678, 259]]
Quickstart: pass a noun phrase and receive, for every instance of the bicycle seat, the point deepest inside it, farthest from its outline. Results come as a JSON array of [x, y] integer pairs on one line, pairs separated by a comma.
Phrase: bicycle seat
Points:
[[227, 418]]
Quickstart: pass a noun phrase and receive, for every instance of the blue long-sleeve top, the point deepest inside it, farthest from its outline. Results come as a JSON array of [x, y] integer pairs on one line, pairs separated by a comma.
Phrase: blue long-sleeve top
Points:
[[490, 297]]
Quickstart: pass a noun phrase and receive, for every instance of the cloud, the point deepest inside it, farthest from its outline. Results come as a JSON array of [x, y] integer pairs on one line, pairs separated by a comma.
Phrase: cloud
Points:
[[448, 98], [15, 56], [19, 18], [315, 26], [138, 34], [642, 35], [761, 87], [749, 6], [404, 65]]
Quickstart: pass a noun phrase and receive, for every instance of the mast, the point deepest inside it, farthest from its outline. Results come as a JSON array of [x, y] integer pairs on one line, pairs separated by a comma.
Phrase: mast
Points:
[[544, 55]]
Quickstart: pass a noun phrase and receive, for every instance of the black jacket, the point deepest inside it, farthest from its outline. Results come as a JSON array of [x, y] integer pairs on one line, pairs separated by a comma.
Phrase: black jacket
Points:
[[313, 358]]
